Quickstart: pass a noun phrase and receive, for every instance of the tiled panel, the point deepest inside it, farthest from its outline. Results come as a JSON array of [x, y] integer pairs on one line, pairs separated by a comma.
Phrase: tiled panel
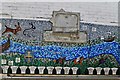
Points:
[[94, 53], [101, 30], [27, 52]]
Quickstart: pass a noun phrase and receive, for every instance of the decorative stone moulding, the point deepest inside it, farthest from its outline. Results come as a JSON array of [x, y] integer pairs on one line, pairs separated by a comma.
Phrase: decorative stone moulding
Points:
[[50, 69], [90, 69], [114, 70], [58, 69], [98, 70], [66, 70], [41, 69], [63, 21], [74, 69], [5, 69], [106, 70], [14, 69], [32, 69], [66, 24], [23, 69]]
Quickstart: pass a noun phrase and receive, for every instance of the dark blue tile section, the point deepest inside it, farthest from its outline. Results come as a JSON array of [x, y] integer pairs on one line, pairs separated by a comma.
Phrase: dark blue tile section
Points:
[[56, 52]]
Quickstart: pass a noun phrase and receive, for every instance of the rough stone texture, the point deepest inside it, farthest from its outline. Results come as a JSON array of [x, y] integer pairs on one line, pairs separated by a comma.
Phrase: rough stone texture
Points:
[[103, 12]]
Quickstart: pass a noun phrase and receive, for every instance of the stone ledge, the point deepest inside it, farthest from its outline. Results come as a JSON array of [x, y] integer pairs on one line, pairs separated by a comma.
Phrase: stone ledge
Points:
[[62, 77]]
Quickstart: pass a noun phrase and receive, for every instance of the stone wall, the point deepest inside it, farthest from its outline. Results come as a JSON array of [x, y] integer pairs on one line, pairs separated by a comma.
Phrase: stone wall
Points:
[[102, 12]]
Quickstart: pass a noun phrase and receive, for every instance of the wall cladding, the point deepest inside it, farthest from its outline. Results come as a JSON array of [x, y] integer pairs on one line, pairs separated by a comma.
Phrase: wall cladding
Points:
[[95, 30], [102, 12], [25, 51]]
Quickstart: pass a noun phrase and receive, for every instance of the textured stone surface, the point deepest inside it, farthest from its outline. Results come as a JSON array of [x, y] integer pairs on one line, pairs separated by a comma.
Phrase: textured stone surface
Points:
[[103, 12]]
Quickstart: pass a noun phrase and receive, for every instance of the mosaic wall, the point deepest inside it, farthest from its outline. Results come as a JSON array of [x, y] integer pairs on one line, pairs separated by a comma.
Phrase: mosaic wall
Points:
[[22, 44]]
